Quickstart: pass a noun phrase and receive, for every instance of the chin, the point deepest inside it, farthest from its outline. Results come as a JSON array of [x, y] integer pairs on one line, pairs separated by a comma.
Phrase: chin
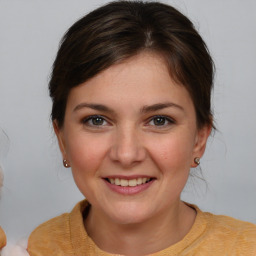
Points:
[[130, 214]]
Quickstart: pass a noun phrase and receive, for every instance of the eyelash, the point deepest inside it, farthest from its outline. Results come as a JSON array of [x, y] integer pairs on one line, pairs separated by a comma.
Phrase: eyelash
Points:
[[167, 121], [88, 119]]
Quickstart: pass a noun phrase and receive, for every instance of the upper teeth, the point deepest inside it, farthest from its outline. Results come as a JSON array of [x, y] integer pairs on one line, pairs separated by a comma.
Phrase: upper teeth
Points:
[[130, 183]]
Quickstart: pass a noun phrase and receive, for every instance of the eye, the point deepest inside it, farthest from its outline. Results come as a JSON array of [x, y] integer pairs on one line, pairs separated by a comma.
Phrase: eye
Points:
[[160, 121], [95, 120]]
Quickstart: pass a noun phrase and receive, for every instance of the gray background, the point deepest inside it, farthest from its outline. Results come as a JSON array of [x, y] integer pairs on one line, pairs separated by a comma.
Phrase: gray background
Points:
[[37, 187]]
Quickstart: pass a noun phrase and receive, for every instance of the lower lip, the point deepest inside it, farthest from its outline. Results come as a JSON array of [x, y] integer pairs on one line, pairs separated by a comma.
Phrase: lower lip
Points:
[[129, 190]]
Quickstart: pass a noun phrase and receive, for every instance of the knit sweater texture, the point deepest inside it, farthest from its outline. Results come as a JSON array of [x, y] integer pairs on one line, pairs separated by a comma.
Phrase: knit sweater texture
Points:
[[210, 235]]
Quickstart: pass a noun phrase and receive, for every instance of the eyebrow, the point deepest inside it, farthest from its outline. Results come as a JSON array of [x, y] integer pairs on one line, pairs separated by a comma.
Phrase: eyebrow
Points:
[[159, 106], [145, 109], [98, 107]]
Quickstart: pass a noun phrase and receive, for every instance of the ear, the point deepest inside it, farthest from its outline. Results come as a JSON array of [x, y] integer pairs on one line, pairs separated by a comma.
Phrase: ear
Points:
[[59, 134], [200, 142]]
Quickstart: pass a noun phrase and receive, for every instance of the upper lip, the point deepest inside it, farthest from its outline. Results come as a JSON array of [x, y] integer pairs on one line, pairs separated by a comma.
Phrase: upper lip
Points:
[[125, 177]]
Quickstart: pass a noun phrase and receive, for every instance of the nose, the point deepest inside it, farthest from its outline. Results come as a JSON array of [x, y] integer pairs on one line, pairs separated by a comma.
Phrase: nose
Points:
[[127, 148]]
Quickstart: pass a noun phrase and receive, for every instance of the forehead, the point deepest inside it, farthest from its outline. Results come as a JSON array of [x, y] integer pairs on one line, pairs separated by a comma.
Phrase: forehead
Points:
[[141, 79]]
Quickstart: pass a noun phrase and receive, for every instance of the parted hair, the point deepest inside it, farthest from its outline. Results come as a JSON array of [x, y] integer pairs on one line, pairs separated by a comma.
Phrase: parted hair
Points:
[[122, 29]]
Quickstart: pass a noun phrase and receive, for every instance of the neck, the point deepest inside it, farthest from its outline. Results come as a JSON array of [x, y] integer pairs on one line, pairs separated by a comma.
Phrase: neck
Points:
[[153, 235]]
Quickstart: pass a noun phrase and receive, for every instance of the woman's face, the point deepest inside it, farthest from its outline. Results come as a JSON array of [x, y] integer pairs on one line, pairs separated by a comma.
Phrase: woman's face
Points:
[[130, 136]]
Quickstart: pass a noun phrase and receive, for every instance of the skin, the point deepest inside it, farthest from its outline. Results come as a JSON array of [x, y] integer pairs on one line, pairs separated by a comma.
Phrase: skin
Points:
[[129, 140]]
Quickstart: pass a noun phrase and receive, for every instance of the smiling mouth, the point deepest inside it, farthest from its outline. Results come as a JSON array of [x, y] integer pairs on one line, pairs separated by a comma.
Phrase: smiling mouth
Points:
[[128, 183]]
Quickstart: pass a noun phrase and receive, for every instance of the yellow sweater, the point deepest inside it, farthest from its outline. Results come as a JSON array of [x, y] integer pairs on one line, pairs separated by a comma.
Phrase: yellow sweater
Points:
[[2, 238], [210, 235]]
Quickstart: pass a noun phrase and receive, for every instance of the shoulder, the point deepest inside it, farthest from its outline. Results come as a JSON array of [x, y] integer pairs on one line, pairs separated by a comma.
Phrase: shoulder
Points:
[[49, 237], [222, 235], [242, 231], [54, 237], [232, 222], [231, 225], [239, 236], [58, 226]]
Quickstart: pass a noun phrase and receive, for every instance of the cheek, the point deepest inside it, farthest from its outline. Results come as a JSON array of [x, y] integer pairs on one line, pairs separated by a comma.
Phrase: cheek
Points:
[[173, 154], [86, 155], [86, 152]]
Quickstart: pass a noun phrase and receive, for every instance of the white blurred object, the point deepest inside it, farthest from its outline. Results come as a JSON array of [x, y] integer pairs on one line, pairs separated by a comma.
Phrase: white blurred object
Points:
[[18, 249]]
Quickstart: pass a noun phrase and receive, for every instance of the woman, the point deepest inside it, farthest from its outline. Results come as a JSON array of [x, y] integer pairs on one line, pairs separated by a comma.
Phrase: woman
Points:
[[131, 89]]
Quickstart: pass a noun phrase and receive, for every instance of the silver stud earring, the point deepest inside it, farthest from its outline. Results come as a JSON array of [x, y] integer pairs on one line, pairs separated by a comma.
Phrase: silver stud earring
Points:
[[65, 163], [197, 160]]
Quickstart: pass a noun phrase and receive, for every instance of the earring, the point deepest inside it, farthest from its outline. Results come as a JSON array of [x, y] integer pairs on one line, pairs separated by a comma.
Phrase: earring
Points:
[[65, 163], [197, 160]]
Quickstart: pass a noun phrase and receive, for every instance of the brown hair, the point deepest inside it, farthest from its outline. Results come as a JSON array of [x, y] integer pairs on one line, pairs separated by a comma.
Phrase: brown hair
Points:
[[122, 29]]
